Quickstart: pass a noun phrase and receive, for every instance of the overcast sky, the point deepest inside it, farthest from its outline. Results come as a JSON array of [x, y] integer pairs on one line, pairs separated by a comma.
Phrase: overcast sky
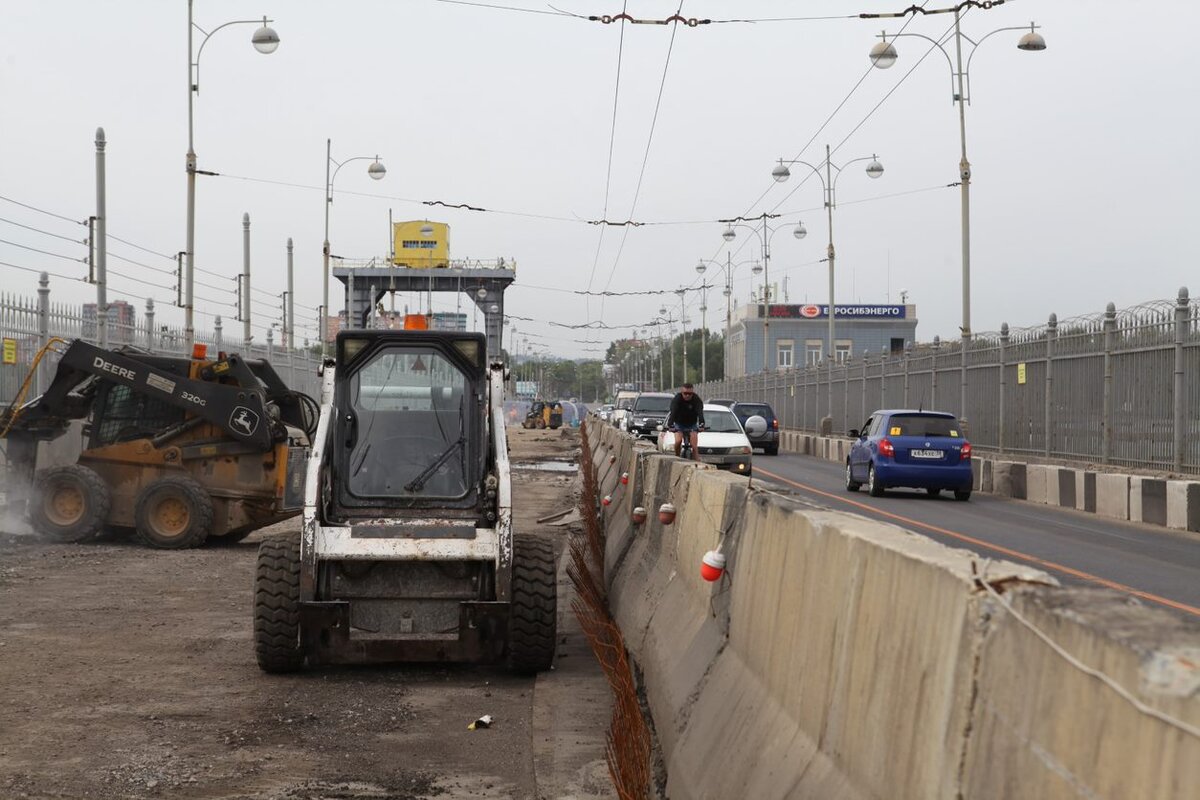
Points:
[[1084, 155]]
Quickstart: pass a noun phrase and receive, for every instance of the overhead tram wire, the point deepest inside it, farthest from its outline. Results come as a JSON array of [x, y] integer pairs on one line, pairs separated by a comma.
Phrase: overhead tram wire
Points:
[[42, 231], [43, 211], [646, 156], [862, 79], [612, 138]]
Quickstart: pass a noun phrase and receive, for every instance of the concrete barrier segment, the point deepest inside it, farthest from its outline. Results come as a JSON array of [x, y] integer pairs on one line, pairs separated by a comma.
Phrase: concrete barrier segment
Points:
[[1148, 500], [1060, 488], [1085, 491], [1008, 479], [1112, 496], [1037, 479], [1183, 505], [1042, 727]]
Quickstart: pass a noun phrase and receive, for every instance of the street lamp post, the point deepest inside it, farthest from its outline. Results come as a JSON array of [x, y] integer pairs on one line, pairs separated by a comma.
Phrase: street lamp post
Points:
[[829, 184], [729, 234], [376, 170], [883, 55], [727, 269], [265, 41]]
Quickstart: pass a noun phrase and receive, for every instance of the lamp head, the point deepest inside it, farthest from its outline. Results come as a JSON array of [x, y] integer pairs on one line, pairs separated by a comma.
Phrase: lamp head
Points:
[[781, 173], [883, 54], [1032, 41], [265, 39], [874, 169], [729, 234], [757, 268], [376, 170], [701, 267], [800, 232]]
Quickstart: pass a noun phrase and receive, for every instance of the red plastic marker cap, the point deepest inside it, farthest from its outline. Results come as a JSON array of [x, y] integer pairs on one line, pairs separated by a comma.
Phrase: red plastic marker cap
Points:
[[624, 477], [639, 515], [712, 566], [607, 500], [666, 513]]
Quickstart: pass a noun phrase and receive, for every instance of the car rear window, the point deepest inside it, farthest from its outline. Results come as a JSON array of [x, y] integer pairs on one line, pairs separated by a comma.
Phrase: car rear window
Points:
[[922, 425], [652, 405], [750, 409]]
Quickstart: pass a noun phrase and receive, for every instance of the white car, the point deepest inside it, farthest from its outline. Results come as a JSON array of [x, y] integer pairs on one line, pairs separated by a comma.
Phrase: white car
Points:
[[723, 442]]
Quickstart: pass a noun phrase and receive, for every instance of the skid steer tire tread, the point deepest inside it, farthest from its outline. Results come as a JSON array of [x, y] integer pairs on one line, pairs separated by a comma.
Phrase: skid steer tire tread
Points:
[[534, 615], [200, 513], [96, 498], [277, 605]]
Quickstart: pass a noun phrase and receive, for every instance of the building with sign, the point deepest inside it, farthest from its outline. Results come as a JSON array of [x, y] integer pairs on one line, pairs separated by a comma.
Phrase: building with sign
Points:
[[799, 334]]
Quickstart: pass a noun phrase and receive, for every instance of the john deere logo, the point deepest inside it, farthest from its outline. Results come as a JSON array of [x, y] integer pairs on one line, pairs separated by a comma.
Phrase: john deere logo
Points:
[[810, 311], [244, 421]]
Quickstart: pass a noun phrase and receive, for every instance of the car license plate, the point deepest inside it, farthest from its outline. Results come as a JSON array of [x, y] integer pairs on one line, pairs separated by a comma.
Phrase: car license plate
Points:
[[926, 453]]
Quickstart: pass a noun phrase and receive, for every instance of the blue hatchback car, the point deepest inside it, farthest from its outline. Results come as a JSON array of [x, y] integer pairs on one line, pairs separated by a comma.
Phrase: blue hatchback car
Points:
[[913, 449]]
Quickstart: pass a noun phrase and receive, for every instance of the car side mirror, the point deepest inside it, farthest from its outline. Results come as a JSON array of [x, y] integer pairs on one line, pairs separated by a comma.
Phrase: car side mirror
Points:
[[659, 428], [756, 426], [854, 433]]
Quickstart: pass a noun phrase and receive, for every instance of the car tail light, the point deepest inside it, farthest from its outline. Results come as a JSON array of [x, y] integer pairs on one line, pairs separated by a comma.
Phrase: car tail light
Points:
[[775, 423], [886, 449], [965, 453]]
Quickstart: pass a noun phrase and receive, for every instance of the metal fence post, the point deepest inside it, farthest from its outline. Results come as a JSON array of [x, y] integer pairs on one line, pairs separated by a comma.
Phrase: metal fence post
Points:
[[43, 316], [1110, 334], [883, 360], [1181, 317], [1003, 381], [270, 344], [937, 342], [907, 352], [217, 342], [1051, 335], [866, 358], [150, 325]]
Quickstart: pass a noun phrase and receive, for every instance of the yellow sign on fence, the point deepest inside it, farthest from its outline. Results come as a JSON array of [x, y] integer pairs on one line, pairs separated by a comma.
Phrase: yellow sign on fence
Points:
[[10, 350], [1021, 374]]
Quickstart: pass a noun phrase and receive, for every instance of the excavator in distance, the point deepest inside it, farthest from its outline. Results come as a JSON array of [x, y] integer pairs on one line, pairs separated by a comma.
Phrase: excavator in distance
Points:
[[180, 450]]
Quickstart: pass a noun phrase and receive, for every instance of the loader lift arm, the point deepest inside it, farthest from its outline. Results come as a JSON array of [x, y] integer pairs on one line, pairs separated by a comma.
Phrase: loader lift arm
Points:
[[240, 410]]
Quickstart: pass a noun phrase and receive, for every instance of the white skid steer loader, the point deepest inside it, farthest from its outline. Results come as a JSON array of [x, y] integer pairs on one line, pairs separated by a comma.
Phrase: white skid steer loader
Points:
[[407, 551]]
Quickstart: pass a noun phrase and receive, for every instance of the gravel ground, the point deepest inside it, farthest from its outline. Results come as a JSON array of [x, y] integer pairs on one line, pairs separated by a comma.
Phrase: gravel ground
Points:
[[130, 673]]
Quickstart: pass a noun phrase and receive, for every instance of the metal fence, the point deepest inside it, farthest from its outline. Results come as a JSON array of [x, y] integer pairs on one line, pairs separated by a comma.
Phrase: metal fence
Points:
[[26, 324], [1119, 388]]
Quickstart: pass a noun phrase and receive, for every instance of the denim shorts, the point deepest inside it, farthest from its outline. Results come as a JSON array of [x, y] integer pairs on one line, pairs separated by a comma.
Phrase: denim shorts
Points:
[[686, 428]]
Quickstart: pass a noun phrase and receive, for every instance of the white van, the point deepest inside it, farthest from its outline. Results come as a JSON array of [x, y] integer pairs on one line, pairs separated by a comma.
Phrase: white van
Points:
[[620, 414]]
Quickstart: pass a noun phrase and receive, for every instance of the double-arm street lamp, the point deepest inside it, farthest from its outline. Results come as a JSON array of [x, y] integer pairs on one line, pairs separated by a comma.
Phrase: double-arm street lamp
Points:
[[265, 41], [829, 184], [376, 170], [727, 270], [764, 239], [883, 55]]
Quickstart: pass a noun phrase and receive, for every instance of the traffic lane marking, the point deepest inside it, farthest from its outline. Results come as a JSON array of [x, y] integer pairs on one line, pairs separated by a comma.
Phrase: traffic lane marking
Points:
[[1041, 562]]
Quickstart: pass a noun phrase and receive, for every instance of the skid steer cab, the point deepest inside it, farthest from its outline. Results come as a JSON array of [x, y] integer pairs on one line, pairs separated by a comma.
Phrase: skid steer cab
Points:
[[180, 450], [407, 551]]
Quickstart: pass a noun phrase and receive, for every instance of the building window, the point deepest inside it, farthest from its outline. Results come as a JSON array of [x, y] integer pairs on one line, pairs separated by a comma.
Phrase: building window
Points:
[[841, 350], [812, 352], [785, 350]]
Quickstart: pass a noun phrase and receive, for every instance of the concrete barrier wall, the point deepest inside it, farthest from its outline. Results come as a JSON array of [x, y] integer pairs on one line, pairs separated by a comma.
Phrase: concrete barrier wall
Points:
[[845, 658]]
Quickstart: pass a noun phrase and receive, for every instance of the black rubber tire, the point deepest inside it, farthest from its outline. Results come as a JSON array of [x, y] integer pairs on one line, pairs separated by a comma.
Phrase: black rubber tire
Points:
[[533, 618], [874, 487], [933, 492], [851, 485], [195, 502], [277, 605], [90, 506], [771, 451], [962, 494]]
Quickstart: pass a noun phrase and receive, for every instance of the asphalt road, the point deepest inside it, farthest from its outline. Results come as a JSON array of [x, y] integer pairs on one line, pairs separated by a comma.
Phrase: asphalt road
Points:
[[1156, 565]]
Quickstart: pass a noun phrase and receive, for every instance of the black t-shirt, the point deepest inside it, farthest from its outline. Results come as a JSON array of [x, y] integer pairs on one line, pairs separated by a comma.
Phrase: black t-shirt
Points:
[[685, 411]]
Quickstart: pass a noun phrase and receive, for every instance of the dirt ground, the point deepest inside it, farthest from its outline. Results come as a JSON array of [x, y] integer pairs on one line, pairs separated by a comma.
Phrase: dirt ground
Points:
[[130, 673]]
